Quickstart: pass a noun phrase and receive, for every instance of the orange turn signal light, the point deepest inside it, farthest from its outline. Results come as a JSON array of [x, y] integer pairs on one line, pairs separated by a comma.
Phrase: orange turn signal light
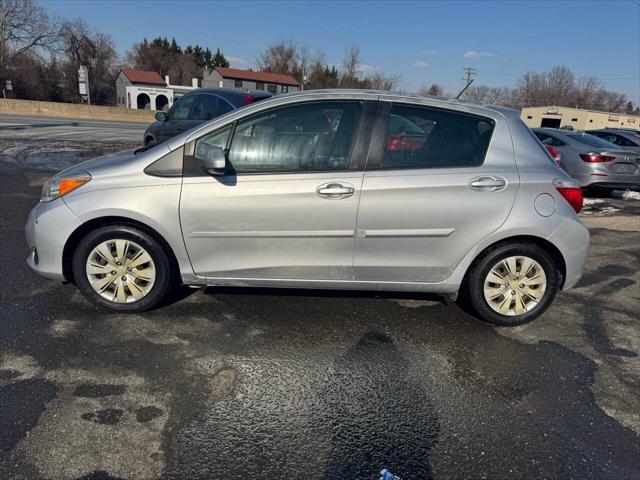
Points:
[[67, 185]]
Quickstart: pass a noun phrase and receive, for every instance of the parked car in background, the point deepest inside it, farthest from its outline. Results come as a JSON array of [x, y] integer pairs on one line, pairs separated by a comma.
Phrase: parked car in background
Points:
[[329, 189], [626, 139], [594, 162], [197, 107]]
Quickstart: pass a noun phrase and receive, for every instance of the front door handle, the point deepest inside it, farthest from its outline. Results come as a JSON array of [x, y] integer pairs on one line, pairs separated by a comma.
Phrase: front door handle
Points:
[[488, 183], [335, 190]]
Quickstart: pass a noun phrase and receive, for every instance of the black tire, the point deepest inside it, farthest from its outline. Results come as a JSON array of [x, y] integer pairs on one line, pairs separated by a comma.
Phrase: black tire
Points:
[[163, 279], [473, 288]]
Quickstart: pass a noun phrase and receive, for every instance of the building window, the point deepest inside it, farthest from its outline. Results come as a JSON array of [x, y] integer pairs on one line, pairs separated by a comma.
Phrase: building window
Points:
[[529, 117], [574, 119], [259, 86], [237, 83], [591, 120], [285, 88], [272, 88]]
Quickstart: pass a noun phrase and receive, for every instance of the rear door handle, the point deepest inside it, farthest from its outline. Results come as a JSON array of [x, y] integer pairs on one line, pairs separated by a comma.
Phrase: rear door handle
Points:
[[335, 190], [488, 183]]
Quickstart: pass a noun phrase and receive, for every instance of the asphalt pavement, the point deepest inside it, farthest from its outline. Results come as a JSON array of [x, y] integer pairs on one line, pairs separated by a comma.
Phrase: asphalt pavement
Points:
[[264, 384]]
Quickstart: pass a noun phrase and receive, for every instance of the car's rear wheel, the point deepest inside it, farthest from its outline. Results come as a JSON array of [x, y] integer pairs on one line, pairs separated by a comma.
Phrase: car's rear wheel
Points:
[[512, 284], [121, 268]]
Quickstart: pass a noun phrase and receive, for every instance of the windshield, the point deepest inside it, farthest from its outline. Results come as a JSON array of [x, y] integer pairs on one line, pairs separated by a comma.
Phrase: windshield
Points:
[[591, 140]]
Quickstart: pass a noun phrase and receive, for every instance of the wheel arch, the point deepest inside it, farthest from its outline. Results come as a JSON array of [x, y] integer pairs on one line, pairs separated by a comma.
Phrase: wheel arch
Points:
[[148, 138], [543, 243], [99, 222]]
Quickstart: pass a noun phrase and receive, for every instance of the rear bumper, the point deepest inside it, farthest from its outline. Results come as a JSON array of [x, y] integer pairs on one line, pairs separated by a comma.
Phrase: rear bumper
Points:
[[48, 227], [609, 180], [572, 239]]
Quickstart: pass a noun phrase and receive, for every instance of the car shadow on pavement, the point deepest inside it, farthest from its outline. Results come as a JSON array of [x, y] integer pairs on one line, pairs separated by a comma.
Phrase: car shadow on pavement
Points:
[[381, 420]]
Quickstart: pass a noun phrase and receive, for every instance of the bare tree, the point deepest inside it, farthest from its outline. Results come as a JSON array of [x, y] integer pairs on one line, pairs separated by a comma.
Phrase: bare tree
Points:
[[280, 57], [434, 90], [559, 85], [380, 81], [97, 52], [25, 28], [585, 91]]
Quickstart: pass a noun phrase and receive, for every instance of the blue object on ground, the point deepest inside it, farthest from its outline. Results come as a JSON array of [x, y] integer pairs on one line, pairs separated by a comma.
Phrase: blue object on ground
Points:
[[387, 475]]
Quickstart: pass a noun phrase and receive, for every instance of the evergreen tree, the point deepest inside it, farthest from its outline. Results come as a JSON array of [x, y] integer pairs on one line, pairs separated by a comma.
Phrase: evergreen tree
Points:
[[219, 60]]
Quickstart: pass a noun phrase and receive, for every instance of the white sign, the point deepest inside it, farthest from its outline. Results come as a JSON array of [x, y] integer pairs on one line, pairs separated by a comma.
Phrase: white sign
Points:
[[157, 91], [9, 85]]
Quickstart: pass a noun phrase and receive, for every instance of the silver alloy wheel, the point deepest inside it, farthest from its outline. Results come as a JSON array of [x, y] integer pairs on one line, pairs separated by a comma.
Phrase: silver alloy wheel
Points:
[[515, 285], [120, 271]]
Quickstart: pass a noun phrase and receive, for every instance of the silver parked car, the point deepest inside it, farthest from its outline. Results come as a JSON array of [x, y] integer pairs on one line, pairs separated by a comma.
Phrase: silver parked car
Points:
[[594, 162], [323, 189], [625, 139]]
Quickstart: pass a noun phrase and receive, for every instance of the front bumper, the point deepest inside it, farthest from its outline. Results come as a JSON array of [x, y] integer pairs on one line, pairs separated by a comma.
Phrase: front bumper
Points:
[[48, 227]]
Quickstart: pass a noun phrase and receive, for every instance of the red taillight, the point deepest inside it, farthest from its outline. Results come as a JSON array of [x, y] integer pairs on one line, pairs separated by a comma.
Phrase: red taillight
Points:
[[248, 98], [395, 143], [596, 158], [570, 191], [554, 153]]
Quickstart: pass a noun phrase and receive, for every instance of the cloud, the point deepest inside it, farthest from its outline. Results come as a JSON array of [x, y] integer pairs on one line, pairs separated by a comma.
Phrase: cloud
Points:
[[364, 68], [476, 54], [237, 62], [420, 64]]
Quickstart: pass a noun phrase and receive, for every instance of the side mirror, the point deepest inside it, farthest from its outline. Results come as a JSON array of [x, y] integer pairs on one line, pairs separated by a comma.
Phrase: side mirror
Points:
[[215, 161], [161, 116]]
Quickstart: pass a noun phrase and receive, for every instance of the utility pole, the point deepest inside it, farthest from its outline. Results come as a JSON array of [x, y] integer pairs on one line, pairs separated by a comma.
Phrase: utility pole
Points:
[[469, 80], [470, 73]]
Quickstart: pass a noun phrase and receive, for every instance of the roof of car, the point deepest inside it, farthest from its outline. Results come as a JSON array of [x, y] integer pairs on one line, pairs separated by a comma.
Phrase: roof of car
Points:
[[615, 130], [509, 112], [230, 91]]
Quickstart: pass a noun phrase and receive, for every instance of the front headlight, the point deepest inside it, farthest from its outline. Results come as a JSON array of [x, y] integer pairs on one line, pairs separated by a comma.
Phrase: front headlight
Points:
[[58, 186]]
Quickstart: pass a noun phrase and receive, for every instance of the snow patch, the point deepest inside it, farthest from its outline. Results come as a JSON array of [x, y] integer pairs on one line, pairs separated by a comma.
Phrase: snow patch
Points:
[[627, 194], [606, 210]]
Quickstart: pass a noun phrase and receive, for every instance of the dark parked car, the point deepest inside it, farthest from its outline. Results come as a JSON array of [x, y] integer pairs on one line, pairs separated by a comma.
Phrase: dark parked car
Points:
[[627, 139], [197, 107]]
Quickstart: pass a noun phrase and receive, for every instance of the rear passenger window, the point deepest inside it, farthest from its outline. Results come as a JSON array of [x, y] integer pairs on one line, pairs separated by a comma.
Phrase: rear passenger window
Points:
[[420, 137]]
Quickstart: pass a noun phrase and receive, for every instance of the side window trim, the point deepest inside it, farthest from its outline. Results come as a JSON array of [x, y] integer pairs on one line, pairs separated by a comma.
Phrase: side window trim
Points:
[[375, 154]]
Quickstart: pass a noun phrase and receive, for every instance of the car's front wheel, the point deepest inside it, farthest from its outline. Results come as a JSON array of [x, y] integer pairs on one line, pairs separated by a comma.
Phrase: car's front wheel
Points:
[[513, 284], [121, 268]]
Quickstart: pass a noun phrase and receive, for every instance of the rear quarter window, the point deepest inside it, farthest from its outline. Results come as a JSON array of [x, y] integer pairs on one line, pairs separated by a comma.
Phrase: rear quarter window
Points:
[[424, 137]]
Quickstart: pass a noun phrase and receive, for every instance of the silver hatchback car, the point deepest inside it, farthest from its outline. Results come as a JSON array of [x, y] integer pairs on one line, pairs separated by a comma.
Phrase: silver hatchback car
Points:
[[323, 189]]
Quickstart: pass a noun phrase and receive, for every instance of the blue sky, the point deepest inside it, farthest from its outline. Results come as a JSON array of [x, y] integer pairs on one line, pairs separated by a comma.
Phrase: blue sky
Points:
[[424, 42]]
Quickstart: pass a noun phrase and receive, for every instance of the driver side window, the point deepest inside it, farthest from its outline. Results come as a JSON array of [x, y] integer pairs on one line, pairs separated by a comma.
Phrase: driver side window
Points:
[[312, 137], [181, 108]]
